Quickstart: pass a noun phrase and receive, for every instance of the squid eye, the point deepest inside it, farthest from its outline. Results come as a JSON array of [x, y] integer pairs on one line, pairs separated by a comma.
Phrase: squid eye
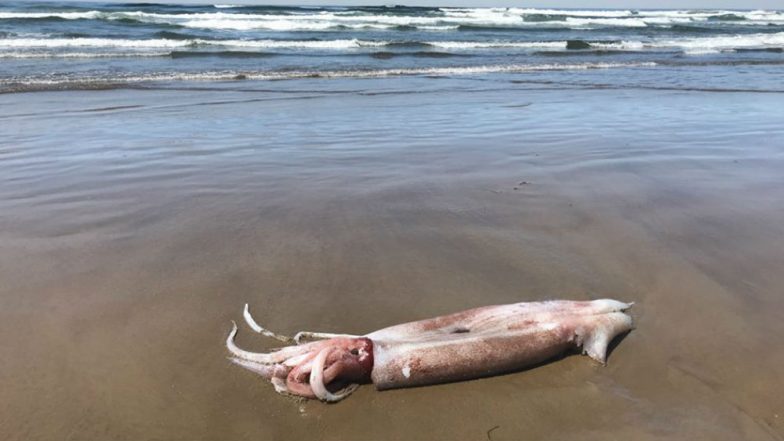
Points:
[[355, 352]]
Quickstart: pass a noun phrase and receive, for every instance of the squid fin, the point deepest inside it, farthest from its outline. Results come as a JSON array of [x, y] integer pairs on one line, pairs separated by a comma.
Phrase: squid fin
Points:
[[608, 327]]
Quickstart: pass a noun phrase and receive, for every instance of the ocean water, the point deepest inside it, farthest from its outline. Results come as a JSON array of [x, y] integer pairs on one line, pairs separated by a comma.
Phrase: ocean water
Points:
[[51, 45]]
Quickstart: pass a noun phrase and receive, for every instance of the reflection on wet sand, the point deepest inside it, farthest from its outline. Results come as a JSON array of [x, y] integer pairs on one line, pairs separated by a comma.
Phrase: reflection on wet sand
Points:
[[129, 237]]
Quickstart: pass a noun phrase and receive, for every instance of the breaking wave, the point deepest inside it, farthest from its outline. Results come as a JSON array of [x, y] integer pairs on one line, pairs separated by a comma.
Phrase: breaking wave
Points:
[[92, 43], [233, 17], [688, 45], [59, 82]]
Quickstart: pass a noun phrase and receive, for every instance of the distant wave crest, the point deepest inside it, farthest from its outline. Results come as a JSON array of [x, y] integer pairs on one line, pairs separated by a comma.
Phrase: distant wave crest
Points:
[[234, 17]]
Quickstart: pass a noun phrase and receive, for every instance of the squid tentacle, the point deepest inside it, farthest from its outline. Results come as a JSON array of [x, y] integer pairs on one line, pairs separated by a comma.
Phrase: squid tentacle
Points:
[[317, 380], [278, 356], [299, 336], [268, 371], [295, 379], [258, 357], [263, 331]]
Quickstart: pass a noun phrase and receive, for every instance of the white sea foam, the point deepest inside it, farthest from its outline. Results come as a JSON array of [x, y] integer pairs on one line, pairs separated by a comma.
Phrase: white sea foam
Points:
[[104, 43], [143, 45], [340, 44], [248, 24], [290, 75], [449, 18], [589, 22], [39, 46], [572, 13], [703, 45], [468, 45], [31, 55], [296, 44], [86, 15]]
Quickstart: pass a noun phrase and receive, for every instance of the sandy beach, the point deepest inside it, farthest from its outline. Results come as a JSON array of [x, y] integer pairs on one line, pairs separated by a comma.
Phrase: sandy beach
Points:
[[134, 225]]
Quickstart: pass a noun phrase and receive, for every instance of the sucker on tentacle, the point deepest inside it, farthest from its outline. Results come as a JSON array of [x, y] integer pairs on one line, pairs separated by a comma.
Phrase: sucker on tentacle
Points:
[[479, 342]]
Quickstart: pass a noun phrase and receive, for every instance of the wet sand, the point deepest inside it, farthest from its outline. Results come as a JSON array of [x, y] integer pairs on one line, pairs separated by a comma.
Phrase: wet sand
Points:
[[134, 225]]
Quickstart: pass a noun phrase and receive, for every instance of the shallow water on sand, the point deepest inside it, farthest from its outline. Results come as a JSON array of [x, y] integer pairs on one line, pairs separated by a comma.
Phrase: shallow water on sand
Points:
[[135, 224]]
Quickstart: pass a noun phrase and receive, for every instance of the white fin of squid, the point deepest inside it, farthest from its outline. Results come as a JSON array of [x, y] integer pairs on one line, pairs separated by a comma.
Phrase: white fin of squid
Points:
[[609, 326]]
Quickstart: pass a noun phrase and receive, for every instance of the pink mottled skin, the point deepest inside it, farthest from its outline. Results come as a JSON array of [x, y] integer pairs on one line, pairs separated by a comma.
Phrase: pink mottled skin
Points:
[[470, 344], [344, 360]]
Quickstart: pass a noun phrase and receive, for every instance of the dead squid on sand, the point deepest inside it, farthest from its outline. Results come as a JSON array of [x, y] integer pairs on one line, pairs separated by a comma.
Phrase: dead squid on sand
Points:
[[475, 343]]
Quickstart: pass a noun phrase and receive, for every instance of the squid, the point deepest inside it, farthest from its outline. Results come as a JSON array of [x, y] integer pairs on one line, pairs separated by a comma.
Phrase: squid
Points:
[[480, 342]]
